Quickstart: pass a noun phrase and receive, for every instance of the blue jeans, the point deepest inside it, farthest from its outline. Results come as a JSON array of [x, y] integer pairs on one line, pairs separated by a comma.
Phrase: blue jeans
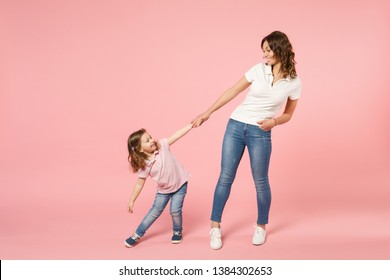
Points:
[[239, 135], [160, 201]]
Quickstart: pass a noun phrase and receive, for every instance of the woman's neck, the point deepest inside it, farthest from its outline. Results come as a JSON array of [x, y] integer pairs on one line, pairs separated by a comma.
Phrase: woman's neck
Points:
[[276, 70]]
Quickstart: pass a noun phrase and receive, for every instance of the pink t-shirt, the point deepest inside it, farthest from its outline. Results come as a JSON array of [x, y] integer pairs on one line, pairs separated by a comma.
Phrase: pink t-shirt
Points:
[[165, 170]]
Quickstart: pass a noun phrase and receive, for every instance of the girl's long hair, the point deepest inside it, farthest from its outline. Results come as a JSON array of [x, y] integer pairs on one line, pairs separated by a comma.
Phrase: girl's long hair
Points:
[[136, 157], [282, 48]]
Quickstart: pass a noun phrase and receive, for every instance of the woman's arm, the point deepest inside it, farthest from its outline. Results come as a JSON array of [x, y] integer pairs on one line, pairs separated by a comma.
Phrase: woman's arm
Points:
[[227, 96], [179, 134], [136, 191], [285, 117]]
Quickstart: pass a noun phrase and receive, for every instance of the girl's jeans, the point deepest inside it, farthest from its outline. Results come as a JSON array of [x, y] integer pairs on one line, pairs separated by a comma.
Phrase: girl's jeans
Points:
[[237, 136], [160, 201]]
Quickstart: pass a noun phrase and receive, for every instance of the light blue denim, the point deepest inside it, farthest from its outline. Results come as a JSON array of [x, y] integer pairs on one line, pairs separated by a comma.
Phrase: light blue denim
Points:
[[239, 135], [159, 204]]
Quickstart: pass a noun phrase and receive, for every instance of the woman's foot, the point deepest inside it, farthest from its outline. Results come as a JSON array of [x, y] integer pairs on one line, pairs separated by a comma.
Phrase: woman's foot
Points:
[[259, 235], [216, 238]]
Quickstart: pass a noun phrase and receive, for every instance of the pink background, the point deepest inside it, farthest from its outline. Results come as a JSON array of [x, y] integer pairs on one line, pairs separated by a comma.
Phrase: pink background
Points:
[[76, 77]]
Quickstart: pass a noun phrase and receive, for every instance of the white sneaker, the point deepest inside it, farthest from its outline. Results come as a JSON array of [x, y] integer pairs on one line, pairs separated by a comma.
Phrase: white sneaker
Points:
[[215, 238], [258, 236]]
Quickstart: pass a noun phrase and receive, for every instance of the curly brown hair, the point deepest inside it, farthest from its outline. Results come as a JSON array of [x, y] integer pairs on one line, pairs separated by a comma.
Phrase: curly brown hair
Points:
[[282, 48], [136, 157]]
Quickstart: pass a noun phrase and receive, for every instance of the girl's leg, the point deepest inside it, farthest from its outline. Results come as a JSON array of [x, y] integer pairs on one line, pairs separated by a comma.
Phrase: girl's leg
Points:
[[232, 151], [177, 200], [158, 207], [259, 147]]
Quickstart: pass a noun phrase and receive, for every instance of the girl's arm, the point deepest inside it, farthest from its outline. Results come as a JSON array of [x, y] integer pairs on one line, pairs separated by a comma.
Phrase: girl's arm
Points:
[[179, 134], [136, 191], [227, 96], [285, 117]]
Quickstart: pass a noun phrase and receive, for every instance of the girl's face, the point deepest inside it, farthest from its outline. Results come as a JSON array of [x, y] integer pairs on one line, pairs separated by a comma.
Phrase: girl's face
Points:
[[148, 145], [268, 54]]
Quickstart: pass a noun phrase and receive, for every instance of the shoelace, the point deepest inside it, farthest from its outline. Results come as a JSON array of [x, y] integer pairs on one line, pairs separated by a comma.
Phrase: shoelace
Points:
[[215, 233], [178, 233], [135, 237], [259, 230]]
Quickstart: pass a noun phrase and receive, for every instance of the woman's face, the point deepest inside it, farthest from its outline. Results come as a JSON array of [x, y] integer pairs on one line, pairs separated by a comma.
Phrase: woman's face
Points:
[[268, 54]]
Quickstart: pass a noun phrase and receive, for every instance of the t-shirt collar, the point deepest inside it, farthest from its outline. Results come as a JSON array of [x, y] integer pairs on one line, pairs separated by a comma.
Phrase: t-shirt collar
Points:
[[150, 162], [268, 71]]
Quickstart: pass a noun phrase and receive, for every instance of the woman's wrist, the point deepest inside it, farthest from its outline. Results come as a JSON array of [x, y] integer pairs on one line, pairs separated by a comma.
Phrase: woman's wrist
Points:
[[275, 121]]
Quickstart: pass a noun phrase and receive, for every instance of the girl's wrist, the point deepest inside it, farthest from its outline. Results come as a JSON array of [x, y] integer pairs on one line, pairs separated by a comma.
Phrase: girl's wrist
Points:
[[275, 121]]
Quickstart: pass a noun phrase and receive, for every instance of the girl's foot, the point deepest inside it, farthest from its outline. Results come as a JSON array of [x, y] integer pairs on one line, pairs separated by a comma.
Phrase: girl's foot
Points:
[[132, 240], [177, 237]]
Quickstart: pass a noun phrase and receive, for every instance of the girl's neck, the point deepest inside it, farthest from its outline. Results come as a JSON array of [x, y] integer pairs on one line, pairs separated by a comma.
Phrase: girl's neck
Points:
[[152, 155], [149, 155]]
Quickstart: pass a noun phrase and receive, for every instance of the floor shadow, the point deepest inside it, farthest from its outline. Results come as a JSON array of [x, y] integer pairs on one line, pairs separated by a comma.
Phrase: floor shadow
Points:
[[279, 226]]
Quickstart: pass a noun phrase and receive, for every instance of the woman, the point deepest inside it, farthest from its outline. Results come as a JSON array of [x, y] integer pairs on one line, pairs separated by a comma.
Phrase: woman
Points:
[[272, 84]]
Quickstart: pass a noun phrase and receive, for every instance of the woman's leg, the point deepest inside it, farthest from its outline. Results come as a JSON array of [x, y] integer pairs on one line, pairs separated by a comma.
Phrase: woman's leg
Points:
[[232, 151], [259, 148], [158, 207]]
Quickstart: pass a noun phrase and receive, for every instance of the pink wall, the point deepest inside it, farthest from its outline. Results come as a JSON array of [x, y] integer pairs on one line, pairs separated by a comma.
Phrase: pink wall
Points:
[[76, 77]]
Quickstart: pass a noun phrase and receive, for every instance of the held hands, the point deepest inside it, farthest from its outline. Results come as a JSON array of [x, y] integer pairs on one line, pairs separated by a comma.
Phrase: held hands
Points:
[[200, 119], [267, 124]]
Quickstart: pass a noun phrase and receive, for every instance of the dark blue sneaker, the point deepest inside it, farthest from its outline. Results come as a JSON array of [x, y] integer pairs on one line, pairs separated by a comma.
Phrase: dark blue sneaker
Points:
[[176, 237], [132, 240]]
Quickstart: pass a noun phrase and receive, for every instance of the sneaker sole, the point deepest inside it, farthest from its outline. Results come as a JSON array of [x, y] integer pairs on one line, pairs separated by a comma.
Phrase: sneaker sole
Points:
[[176, 241], [258, 243], [128, 245], [216, 248]]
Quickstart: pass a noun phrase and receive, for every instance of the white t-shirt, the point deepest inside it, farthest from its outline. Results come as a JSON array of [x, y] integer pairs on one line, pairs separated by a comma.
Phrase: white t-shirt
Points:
[[263, 100]]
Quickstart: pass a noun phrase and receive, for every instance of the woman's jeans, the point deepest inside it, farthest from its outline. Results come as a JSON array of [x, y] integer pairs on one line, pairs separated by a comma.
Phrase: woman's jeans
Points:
[[237, 136], [160, 201]]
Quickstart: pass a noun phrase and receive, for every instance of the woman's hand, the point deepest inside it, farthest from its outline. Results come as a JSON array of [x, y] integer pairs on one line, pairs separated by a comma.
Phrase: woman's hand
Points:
[[267, 124], [200, 119]]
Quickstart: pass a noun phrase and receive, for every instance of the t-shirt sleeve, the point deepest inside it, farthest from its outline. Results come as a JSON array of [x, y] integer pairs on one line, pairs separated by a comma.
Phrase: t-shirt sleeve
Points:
[[296, 92], [250, 75], [164, 144], [143, 173]]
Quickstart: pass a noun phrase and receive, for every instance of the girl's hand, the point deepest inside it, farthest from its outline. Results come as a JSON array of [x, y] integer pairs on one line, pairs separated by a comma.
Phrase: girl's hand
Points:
[[266, 124], [131, 206]]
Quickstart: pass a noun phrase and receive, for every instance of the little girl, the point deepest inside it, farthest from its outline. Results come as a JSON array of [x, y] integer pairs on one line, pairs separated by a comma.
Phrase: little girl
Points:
[[153, 158]]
